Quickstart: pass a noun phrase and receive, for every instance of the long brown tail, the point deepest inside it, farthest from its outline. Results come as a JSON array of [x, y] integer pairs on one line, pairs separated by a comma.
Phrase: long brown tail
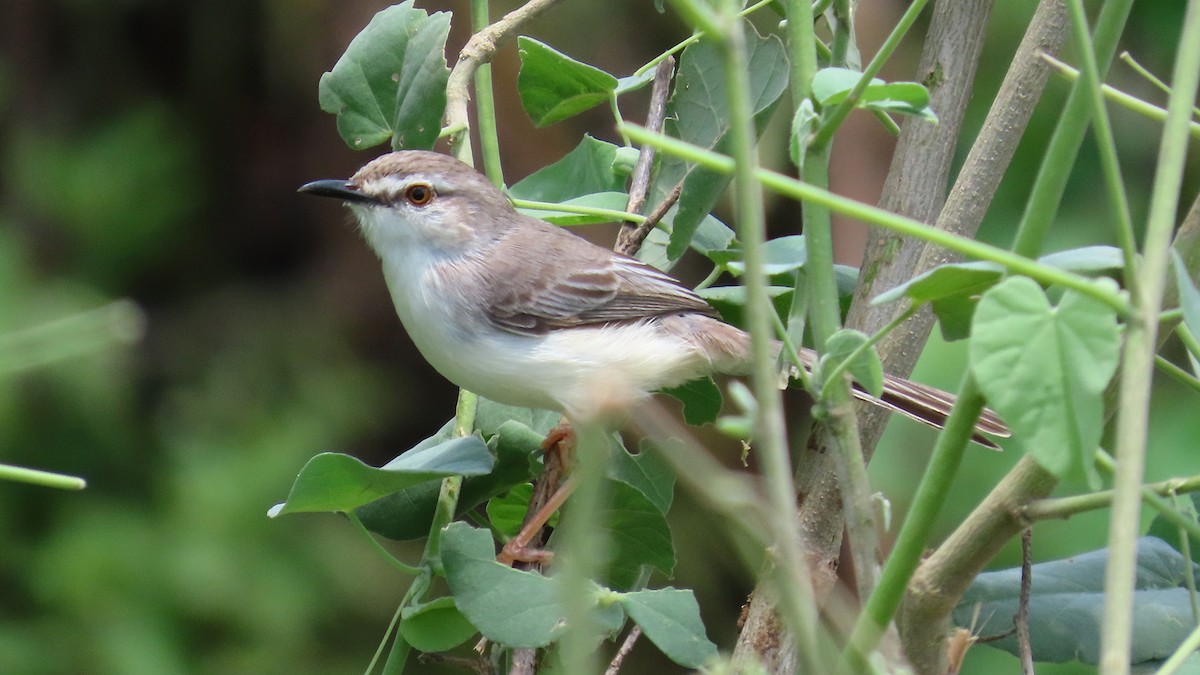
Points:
[[924, 404]]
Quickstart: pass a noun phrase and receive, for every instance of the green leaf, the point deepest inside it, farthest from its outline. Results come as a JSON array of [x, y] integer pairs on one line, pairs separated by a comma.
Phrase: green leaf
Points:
[[435, 626], [867, 369], [670, 617], [953, 290], [600, 200], [730, 301], [336, 482], [646, 472], [507, 512], [831, 86], [698, 113], [407, 514], [1067, 600], [701, 400], [639, 535], [509, 606], [1044, 369], [553, 86], [1164, 529], [490, 416], [592, 166], [1088, 259], [391, 82], [780, 255]]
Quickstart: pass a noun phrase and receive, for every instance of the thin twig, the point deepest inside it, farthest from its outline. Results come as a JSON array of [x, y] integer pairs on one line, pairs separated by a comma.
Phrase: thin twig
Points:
[[1022, 618], [626, 647], [630, 239], [480, 49], [655, 116]]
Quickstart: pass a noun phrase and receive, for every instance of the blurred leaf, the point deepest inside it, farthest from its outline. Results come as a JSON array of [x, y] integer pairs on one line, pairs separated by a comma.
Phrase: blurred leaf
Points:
[[391, 81], [831, 86], [1160, 527], [603, 200], [1189, 297], [804, 123], [867, 369], [647, 472], [592, 166], [509, 606], [1086, 259], [701, 400], [1044, 369], [435, 626], [698, 113], [554, 86], [634, 82], [639, 535], [335, 482], [670, 617], [953, 290], [1067, 600]]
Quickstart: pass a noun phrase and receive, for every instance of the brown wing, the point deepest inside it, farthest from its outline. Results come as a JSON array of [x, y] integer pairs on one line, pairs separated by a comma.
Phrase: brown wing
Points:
[[564, 281]]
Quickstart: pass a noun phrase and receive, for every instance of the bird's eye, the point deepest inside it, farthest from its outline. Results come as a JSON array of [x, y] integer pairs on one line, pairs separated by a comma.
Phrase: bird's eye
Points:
[[419, 194]]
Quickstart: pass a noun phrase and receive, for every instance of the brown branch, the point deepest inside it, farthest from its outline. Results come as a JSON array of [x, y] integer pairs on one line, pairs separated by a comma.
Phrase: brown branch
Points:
[[626, 647], [480, 49], [1021, 620], [630, 239], [655, 116]]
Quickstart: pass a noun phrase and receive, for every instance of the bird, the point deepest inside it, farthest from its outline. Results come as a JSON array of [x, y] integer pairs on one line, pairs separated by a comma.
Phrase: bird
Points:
[[525, 313]]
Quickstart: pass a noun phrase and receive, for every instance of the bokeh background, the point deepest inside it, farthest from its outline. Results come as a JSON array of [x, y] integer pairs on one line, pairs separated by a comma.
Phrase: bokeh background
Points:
[[150, 151]]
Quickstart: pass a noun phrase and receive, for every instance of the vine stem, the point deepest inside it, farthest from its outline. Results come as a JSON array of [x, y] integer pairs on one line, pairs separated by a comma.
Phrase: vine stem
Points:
[[1140, 348]]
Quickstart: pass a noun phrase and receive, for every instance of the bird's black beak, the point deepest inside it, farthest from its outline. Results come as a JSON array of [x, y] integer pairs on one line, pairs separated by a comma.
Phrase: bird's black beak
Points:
[[339, 189]]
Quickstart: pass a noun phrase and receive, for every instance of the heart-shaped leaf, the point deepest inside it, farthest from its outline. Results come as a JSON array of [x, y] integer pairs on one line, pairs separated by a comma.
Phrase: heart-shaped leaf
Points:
[[1044, 369]]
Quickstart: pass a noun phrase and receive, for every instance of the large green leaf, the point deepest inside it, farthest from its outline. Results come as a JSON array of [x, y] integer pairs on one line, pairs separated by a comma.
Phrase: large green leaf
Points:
[[391, 82], [639, 535], [336, 482], [512, 607], [554, 86], [698, 112], [670, 617], [1067, 602], [407, 514], [1044, 369], [592, 166]]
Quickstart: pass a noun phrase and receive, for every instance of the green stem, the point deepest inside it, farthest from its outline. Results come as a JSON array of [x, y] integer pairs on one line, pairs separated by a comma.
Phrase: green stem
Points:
[[1189, 341], [485, 103], [1140, 70], [1064, 144], [914, 533], [1178, 374], [1140, 348], [825, 317], [824, 134], [802, 191], [598, 212], [795, 589], [843, 34], [1121, 98], [1182, 655], [1109, 163], [41, 478]]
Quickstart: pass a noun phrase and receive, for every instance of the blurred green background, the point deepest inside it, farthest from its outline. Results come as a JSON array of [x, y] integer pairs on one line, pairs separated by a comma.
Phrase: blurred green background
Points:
[[150, 150]]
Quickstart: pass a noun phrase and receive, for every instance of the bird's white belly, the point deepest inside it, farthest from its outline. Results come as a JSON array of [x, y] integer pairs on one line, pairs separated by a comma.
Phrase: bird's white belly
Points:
[[584, 372]]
